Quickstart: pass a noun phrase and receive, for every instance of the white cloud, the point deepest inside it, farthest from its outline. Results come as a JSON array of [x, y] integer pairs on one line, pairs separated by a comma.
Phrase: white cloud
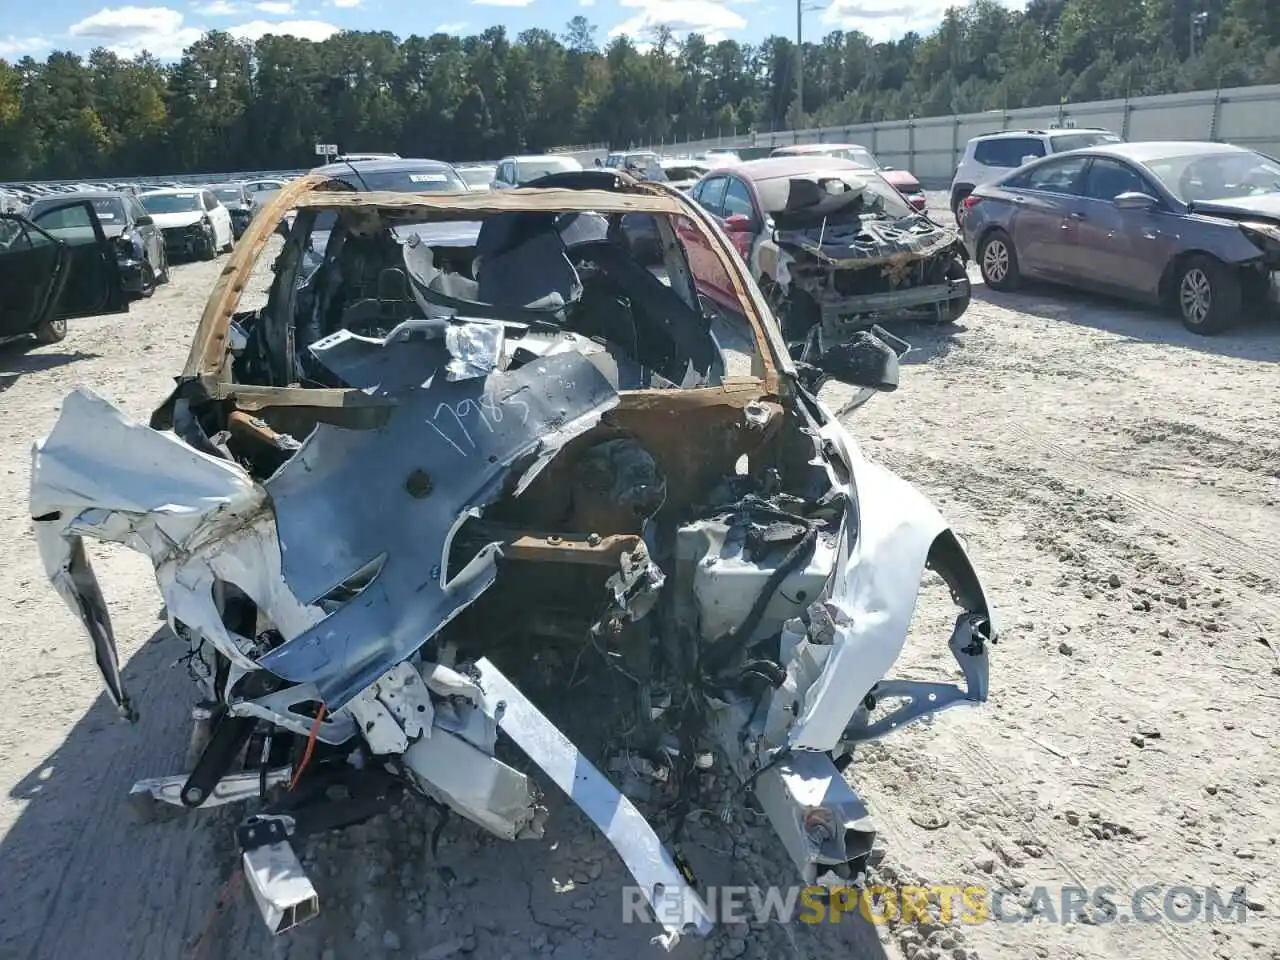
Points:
[[18, 47], [451, 27], [316, 30], [277, 8], [883, 20], [218, 8], [586, 3], [130, 30], [713, 20], [502, 3], [345, 4]]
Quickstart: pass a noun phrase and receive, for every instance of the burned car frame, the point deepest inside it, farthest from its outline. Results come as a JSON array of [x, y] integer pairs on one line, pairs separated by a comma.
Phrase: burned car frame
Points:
[[340, 474], [834, 245]]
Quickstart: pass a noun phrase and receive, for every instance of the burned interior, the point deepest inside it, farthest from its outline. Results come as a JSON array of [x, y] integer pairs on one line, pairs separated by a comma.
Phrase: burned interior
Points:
[[371, 499], [847, 251]]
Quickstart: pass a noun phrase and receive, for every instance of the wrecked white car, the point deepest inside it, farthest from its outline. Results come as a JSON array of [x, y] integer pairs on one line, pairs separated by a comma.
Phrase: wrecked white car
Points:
[[369, 500]]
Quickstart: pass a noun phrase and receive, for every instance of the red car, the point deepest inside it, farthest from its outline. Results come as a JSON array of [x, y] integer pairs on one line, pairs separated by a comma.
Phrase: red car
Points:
[[903, 180], [817, 233]]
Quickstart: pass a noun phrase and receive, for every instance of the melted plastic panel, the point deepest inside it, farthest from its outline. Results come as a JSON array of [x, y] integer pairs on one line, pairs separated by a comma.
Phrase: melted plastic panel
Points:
[[349, 497]]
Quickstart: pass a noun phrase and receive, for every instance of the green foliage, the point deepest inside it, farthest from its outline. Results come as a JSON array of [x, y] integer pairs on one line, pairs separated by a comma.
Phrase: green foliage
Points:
[[234, 105]]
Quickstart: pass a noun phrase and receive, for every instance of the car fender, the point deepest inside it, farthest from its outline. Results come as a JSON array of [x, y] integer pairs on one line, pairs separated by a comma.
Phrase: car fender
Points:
[[891, 535]]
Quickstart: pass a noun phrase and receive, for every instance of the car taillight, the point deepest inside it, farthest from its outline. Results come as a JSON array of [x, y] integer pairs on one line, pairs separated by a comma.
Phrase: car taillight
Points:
[[970, 200]]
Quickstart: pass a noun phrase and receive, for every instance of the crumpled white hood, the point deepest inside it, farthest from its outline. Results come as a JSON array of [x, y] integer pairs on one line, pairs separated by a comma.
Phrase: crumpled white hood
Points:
[[166, 221]]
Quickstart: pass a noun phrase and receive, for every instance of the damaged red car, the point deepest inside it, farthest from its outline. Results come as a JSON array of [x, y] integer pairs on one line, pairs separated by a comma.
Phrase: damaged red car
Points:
[[833, 246]]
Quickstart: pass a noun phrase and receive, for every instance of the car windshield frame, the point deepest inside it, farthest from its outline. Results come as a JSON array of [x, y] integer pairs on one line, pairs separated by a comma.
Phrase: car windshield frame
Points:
[[773, 191], [483, 175], [109, 211], [425, 179], [859, 155], [1175, 174], [162, 203], [680, 174], [771, 363], [1081, 140], [529, 170]]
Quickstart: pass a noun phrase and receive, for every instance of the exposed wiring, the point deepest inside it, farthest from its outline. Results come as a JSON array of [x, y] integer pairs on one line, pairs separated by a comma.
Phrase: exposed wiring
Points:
[[306, 754]]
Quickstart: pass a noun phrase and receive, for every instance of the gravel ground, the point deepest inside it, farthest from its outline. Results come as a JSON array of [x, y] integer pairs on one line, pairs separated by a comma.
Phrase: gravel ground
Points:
[[1115, 478]]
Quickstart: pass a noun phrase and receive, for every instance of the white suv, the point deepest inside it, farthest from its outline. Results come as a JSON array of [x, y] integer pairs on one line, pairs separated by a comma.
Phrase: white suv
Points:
[[994, 154]]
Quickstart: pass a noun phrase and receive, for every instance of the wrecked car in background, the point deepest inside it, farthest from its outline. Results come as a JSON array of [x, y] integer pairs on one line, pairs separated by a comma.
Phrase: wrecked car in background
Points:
[[833, 246], [545, 423], [904, 181]]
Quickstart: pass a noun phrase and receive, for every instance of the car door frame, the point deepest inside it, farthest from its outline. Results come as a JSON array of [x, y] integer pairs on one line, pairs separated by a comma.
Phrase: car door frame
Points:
[[704, 263], [116, 300], [151, 236], [1045, 220], [1121, 266], [40, 299], [744, 243], [505, 175]]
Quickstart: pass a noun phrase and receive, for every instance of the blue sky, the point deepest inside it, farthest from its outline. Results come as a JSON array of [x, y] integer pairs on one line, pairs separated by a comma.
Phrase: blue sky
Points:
[[166, 26]]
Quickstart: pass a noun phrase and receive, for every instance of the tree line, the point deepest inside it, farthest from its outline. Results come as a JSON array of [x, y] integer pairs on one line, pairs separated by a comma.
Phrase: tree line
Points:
[[230, 105]]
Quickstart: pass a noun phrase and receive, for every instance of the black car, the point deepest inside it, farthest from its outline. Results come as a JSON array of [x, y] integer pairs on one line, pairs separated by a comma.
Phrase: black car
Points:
[[235, 197], [137, 241], [401, 175], [55, 265]]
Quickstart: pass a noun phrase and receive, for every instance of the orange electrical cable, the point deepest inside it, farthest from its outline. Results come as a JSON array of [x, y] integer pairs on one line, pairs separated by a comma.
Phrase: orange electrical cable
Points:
[[311, 745]]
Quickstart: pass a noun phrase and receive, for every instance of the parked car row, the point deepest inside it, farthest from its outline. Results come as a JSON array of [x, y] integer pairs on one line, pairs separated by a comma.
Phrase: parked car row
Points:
[[835, 239]]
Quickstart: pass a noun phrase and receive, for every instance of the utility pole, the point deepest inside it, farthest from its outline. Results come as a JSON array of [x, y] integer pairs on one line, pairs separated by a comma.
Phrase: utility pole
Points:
[[799, 64], [801, 7], [1195, 20]]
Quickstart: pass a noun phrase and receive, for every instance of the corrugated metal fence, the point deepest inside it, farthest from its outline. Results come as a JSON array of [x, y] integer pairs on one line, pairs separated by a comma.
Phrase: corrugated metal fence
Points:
[[931, 147]]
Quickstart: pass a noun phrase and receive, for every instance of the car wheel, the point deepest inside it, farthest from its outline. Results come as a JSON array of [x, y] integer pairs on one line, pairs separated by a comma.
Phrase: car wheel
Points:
[[953, 310], [148, 280], [998, 261], [51, 331], [1207, 294]]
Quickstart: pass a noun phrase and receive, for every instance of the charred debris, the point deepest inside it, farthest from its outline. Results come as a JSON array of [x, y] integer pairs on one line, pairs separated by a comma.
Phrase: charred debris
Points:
[[844, 256], [420, 468]]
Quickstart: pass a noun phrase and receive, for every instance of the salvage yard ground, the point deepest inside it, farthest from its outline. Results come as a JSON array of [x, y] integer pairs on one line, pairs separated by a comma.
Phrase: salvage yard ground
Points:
[[1117, 480]]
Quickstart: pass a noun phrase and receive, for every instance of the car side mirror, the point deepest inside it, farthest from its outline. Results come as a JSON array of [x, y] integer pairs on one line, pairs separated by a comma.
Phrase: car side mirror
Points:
[[886, 167], [1135, 200], [144, 221], [863, 361], [738, 223]]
